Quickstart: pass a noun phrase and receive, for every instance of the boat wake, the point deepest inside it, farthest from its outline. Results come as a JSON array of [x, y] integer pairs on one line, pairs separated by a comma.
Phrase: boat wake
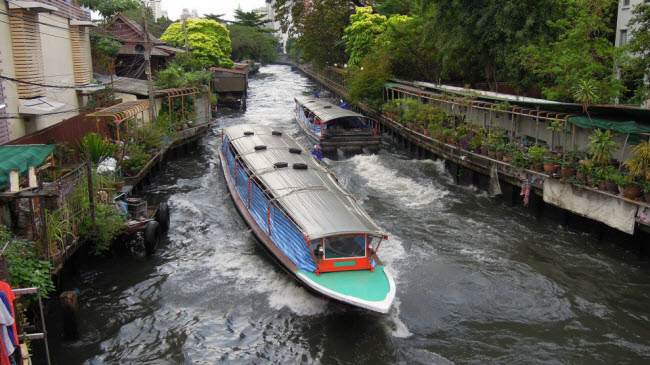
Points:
[[408, 192]]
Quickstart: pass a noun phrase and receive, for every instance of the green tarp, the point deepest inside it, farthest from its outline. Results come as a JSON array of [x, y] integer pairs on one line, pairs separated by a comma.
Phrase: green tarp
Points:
[[21, 157], [629, 127]]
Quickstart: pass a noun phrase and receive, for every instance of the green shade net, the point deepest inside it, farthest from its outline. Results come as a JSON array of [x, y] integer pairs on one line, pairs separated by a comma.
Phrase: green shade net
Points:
[[629, 127], [21, 157]]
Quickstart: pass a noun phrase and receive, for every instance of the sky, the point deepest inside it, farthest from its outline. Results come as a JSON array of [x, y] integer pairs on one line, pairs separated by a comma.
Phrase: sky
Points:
[[175, 7]]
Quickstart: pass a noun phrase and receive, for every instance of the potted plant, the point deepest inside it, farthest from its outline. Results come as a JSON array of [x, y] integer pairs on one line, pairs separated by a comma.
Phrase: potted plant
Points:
[[582, 171], [610, 177], [633, 189], [448, 135], [476, 143], [500, 149], [646, 191], [551, 163], [536, 155]]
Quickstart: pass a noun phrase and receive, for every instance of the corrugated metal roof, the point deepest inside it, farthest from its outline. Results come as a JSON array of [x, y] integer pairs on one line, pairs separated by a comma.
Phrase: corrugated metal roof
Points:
[[325, 111], [312, 197]]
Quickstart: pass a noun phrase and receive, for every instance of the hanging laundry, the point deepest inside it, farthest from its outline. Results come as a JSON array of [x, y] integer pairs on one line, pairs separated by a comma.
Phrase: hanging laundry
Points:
[[6, 289], [6, 321]]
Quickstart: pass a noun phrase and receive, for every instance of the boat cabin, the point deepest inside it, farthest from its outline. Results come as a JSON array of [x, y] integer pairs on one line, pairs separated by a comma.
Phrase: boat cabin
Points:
[[334, 127]]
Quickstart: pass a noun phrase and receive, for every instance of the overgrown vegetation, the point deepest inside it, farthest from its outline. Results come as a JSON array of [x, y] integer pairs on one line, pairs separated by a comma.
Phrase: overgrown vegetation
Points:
[[27, 268], [210, 41]]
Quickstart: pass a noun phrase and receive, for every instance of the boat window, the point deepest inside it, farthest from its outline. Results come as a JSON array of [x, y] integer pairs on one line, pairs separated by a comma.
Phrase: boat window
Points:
[[340, 247], [347, 123]]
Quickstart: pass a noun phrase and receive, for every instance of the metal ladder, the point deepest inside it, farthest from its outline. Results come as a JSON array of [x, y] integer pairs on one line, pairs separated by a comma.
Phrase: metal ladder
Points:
[[39, 335]]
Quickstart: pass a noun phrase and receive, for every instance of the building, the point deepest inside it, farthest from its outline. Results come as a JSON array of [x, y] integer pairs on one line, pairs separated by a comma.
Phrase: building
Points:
[[130, 61], [156, 9], [45, 64]]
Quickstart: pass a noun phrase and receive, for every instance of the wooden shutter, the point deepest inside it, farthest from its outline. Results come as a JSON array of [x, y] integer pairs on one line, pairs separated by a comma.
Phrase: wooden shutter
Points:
[[26, 45], [80, 55]]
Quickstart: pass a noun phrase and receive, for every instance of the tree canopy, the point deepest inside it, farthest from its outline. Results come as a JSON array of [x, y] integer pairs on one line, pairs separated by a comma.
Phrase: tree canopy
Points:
[[210, 41], [250, 43], [109, 8], [249, 19], [155, 26]]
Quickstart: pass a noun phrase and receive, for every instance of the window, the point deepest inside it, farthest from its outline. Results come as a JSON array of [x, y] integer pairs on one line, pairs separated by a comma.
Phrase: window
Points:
[[343, 247], [626, 3], [623, 38]]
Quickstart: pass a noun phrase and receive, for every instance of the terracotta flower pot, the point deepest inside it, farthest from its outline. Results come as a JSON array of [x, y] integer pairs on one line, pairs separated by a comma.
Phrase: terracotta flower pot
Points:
[[632, 191], [602, 185], [426, 132], [539, 167], [550, 168], [567, 172], [581, 176], [484, 151], [646, 196], [621, 189], [500, 155], [492, 153]]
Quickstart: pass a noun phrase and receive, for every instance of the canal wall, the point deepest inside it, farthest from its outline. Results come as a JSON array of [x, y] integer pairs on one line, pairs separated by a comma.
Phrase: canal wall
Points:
[[610, 217]]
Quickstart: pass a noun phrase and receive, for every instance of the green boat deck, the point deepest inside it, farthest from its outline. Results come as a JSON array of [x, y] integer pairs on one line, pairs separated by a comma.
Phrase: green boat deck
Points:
[[362, 284]]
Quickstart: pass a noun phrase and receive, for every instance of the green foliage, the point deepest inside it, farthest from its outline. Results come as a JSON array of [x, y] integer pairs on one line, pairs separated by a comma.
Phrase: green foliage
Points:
[[185, 71], [639, 165], [26, 268], [109, 224], [137, 159], [601, 146], [250, 43], [109, 8], [216, 17], [209, 39], [150, 135], [99, 148], [105, 49], [536, 154], [367, 83], [293, 49], [155, 26]]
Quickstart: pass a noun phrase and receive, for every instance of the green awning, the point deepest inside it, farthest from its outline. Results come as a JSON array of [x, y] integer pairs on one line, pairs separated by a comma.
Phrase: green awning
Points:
[[628, 127], [21, 157]]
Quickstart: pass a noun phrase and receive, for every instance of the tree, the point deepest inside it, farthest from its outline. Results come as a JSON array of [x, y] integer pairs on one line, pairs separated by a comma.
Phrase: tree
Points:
[[109, 8], [209, 39], [216, 17], [249, 19], [639, 47], [361, 35], [291, 13], [583, 52], [323, 29], [251, 44]]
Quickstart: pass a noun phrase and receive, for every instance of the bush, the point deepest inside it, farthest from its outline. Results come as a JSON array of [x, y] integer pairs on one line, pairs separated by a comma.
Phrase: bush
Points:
[[136, 161], [99, 148], [109, 225]]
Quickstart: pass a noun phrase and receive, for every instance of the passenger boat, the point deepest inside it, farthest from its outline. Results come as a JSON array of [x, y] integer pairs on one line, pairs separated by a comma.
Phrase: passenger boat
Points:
[[310, 224], [336, 128]]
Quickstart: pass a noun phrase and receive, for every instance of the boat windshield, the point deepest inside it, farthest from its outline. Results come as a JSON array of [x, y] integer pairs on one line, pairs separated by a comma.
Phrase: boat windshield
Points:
[[340, 247]]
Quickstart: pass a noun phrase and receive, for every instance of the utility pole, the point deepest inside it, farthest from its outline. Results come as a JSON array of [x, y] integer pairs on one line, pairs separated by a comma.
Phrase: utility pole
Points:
[[185, 31], [147, 59]]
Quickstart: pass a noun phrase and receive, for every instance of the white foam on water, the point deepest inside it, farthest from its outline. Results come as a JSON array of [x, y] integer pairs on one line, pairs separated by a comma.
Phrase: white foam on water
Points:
[[286, 293], [407, 191], [180, 204]]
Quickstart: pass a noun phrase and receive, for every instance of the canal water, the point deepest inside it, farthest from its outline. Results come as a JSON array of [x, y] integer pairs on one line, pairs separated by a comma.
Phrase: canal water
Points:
[[477, 281]]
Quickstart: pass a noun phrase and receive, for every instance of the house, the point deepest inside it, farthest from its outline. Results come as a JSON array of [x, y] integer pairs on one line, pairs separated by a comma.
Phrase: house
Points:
[[45, 64], [623, 29], [130, 61]]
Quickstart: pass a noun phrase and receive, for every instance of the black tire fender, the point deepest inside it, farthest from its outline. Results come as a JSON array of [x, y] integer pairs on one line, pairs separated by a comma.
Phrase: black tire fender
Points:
[[151, 237], [162, 216]]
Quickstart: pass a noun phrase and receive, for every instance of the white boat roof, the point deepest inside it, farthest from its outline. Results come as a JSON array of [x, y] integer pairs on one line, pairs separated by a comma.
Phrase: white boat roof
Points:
[[316, 202], [325, 111]]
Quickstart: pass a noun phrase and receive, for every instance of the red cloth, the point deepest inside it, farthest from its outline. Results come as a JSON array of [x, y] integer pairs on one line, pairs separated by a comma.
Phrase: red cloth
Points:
[[4, 359], [11, 297]]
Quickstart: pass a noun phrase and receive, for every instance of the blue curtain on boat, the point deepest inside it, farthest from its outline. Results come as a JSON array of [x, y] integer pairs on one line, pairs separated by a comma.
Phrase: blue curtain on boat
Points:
[[242, 183], [259, 207], [290, 240]]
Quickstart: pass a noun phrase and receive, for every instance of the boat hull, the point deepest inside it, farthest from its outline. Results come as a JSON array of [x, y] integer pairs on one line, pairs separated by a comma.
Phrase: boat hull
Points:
[[308, 280]]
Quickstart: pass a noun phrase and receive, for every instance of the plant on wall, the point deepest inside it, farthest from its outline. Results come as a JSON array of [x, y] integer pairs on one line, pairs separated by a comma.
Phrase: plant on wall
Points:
[[639, 165], [601, 146]]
